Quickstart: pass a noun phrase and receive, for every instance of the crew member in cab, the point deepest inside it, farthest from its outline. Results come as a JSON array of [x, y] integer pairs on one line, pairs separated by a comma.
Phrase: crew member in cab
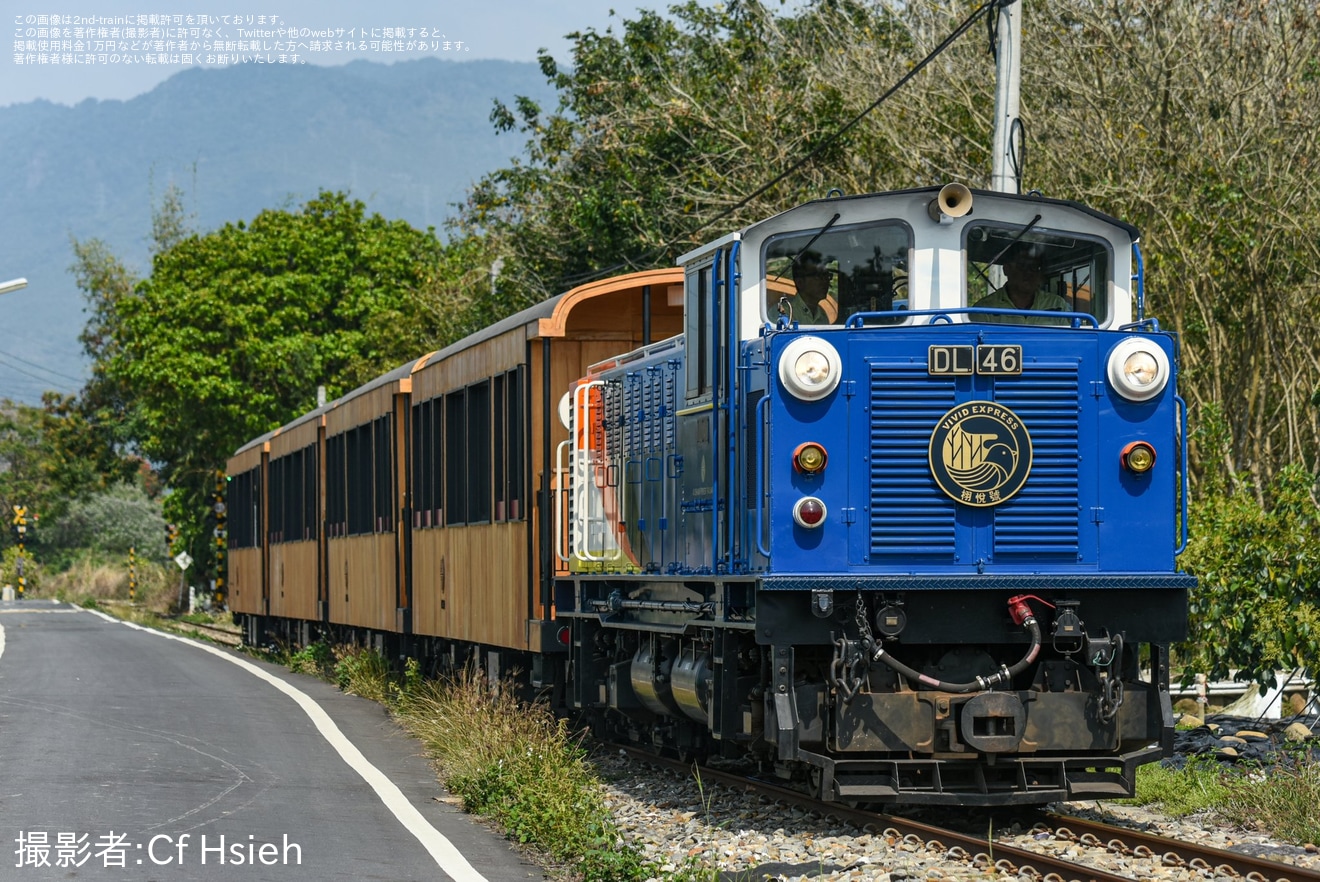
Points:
[[815, 304], [1023, 288]]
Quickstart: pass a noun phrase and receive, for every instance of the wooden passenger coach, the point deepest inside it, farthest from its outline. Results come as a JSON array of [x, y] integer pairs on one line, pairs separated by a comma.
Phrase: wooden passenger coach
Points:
[[364, 521], [421, 503], [296, 473], [483, 434], [245, 515]]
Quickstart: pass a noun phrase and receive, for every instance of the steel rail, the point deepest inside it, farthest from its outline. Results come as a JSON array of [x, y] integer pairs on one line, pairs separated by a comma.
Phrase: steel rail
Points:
[[220, 635], [977, 850], [1173, 852]]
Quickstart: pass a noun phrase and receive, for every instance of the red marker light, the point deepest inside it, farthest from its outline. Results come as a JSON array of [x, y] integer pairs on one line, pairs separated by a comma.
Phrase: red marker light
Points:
[[563, 635], [809, 512]]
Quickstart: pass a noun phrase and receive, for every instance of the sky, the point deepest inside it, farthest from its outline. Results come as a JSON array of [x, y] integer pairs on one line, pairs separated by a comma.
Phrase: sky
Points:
[[512, 30]]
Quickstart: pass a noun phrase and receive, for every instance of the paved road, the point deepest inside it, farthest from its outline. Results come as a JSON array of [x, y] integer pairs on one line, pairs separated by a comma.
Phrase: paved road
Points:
[[142, 754]]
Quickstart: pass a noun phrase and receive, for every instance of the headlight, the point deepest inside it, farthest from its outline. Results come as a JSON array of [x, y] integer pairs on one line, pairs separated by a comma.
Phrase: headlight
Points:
[[1138, 369], [810, 368]]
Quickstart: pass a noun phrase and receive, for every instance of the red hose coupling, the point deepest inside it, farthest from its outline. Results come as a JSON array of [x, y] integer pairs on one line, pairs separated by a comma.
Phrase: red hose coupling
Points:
[[1018, 609]]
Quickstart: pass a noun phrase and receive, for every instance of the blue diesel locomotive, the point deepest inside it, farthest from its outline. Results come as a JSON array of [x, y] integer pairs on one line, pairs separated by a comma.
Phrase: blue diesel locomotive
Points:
[[897, 512], [882, 492]]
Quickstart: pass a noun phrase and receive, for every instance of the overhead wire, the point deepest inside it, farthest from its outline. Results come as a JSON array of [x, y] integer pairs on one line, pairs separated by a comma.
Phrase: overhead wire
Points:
[[39, 367], [648, 257], [902, 81], [25, 373]]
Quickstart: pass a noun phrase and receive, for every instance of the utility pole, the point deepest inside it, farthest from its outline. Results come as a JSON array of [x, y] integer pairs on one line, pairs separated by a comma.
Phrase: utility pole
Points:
[[1007, 167]]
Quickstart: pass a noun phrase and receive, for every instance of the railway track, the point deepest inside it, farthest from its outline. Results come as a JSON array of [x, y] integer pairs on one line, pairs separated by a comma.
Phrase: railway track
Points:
[[1064, 841], [1171, 852], [226, 636]]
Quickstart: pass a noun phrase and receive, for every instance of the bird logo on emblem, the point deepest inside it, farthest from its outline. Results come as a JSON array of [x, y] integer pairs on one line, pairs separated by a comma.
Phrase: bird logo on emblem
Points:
[[980, 454]]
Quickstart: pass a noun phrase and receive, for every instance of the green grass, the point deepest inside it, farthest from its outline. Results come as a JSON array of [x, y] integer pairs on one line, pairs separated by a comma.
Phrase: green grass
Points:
[[363, 672], [507, 760], [1281, 803], [316, 659], [517, 764], [1198, 786]]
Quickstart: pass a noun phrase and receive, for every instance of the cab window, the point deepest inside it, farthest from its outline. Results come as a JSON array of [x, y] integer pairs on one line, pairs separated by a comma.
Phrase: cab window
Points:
[[825, 275], [1009, 268]]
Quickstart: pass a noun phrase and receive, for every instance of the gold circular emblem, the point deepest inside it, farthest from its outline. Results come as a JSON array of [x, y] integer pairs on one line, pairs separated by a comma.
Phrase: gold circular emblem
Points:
[[980, 453]]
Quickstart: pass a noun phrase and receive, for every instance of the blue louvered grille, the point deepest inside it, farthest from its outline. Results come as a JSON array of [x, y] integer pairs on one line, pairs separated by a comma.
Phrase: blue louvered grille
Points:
[[909, 515], [1043, 517]]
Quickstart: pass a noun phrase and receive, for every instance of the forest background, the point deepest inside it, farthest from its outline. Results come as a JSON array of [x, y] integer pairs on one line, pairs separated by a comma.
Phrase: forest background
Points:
[[1196, 120]]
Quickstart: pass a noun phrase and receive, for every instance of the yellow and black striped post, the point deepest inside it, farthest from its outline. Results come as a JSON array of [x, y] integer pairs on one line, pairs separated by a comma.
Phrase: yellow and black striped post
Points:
[[132, 575], [221, 536], [20, 534]]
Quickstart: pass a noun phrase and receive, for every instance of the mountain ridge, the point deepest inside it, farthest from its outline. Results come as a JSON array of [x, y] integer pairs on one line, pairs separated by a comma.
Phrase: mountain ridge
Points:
[[406, 138]]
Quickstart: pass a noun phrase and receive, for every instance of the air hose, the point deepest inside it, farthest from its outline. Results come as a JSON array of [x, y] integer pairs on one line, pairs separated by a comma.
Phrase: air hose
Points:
[[1022, 616]]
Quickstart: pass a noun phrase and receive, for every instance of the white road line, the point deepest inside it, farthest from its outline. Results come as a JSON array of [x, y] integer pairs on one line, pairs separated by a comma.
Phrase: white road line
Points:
[[449, 858], [33, 612], [2, 640]]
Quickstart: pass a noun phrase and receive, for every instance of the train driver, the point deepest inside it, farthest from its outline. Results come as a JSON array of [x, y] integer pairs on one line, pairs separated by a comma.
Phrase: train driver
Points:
[[815, 304], [1023, 288]]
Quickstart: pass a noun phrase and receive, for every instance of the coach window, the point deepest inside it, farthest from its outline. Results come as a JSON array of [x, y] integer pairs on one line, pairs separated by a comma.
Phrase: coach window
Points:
[[336, 487], [426, 472], [277, 500], [455, 479], [308, 527], [357, 459], [418, 491], [364, 503], [468, 455], [382, 444], [509, 444], [293, 496], [478, 453], [243, 509], [369, 461]]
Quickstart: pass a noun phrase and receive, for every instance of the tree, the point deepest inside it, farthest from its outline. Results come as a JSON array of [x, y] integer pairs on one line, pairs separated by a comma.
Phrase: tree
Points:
[[25, 472], [234, 330], [90, 433], [112, 522], [1256, 611], [1192, 118], [1196, 120], [665, 130], [38, 474]]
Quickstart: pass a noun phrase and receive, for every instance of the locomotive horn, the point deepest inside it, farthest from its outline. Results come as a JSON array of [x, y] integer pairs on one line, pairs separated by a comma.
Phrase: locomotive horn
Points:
[[953, 200]]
